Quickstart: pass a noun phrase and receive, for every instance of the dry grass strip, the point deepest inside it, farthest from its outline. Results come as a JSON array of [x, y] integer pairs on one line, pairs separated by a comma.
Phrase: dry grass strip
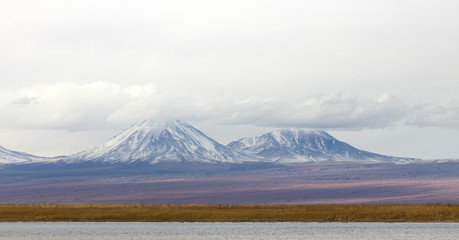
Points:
[[230, 213]]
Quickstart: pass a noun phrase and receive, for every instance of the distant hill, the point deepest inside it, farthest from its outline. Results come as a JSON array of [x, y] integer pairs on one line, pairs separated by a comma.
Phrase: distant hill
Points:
[[302, 145], [11, 157]]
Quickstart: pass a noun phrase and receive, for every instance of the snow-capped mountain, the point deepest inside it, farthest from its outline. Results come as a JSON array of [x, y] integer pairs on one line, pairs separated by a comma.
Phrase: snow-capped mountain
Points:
[[8, 156], [301, 145], [158, 141], [176, 141]]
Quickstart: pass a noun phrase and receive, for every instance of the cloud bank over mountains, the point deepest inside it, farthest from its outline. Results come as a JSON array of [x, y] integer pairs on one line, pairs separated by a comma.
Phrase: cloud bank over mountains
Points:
[[98, 105], [233, 68]]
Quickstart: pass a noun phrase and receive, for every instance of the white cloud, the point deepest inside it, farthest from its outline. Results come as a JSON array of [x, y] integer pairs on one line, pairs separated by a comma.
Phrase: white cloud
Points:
[[336, 111], [99, 105], [69, 106], [436, 115], [105, 105]]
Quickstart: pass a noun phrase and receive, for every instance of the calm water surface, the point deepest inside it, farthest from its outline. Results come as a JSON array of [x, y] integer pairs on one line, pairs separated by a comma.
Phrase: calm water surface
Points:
[[262, 231]]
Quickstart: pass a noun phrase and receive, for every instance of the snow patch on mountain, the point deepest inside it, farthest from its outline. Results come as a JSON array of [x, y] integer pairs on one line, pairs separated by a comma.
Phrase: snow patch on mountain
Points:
[[176, 141], [302, 145], [159, 141], [8, 156]]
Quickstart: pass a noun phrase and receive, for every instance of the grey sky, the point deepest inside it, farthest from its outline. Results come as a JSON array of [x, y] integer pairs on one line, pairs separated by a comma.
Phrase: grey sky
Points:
[[381, 75]]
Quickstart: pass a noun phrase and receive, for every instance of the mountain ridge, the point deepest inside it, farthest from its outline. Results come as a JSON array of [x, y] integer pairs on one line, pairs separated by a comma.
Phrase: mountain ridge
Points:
[[12, 157], [304, 145], [158, 141], [177, 142]]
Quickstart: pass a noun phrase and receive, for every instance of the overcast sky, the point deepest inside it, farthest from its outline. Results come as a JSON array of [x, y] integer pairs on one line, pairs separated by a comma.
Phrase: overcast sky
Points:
[[380, 75]]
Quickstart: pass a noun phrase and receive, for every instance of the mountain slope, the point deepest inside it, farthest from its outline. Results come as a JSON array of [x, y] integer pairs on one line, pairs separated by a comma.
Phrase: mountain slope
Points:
[[300, 145], [8, 156], [156, 141]]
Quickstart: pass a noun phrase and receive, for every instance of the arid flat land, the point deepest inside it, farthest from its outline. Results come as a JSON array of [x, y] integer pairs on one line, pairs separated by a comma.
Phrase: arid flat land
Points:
[[303, 193], [301, 184], [230, 213]]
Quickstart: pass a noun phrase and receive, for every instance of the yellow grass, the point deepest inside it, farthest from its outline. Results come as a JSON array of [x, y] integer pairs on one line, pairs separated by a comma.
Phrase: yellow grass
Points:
[[231, 213]]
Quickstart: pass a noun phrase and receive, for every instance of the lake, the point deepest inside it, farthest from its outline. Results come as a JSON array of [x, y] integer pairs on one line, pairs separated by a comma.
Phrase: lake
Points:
[[261, 231]]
